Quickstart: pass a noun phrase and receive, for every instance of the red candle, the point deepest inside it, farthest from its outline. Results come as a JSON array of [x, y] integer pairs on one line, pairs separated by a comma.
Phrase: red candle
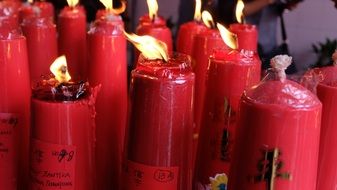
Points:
[[36, 9], [160, 132], [42, 45], [108, 67], [72, 39], [47, 9], [8, 16], [14, 113], [327, 92], [63, 137], [247, 36], [187, 32], [277, 136], [230, 72], [109, 9]]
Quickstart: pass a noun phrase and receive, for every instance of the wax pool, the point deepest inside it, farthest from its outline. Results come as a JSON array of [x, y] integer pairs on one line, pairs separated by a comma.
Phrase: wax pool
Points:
[[63, 137], [247, 36], [277, 138], [72, 39], [14, 112], [160, 130], [230, 72], [108, 67]]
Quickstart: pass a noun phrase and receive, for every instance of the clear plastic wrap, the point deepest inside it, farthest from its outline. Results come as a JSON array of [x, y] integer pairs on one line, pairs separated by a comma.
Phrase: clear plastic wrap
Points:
[[277, 136], [161, 121]]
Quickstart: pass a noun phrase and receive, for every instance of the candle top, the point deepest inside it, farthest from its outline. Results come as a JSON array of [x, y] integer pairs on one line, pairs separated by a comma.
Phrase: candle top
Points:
[[209, 33], [73, 12], [9, 8], [229, 56], [178, 65], [107, 26], [147, 21], [38, 21], [324, 76], [243, 27]]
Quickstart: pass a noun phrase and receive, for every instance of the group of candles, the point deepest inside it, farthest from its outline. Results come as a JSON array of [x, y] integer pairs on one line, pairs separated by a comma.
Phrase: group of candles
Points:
[[198, 118]]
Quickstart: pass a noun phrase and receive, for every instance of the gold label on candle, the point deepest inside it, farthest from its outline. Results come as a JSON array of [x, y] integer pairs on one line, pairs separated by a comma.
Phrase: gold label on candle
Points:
[[52, 166], [269, 168]]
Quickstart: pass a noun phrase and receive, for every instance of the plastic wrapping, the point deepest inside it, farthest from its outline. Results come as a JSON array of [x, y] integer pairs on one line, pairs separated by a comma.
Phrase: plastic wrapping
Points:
[[186, 35], [42, 45], [14, 112], [108, 67], [229, 73], [327, 93], [160, 129], [72, 33], [63, 140], [277, 136]]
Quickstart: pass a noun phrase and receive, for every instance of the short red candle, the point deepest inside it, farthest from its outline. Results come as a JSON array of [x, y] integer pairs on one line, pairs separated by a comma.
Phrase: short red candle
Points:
[[160, 131], [14, 113], [247, 36], [327, 93], [186, 34], [204, 44], [156, 28], [229, 74], [72, 39], [42, 45], [63, 139], [277, 138], [108, 67]]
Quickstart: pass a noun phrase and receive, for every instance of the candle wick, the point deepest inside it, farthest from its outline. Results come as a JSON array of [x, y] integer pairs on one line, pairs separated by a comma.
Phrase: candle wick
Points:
[[153, 18]]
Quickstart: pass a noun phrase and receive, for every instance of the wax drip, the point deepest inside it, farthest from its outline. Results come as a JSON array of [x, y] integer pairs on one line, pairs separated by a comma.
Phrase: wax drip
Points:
[[279, 64]]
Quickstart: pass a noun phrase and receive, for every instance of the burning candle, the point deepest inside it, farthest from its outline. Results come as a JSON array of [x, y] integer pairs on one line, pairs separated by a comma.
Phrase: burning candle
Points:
[[36, 9], [158, 154], [63, 137], [277, 136], [229, 73], [108, 67], [14, 112], [47, 9], [155, 26], [72, 38], [187, 31], [42, 45], [247, 34], [204, 44], [110, 10]]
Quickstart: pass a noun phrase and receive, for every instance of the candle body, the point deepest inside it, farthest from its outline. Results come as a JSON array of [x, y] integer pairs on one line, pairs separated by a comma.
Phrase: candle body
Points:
[[156, 29], [108, 67], [42, 45], [277, 138], [72, 40], [9, 19], [229, 74], [161, 120], [247, 36], [14, 113], [204, 45], [327, 92], [62, 143], [186, 34]]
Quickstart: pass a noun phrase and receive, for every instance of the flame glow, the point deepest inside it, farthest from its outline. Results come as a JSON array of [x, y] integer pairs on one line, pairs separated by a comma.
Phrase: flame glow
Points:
[[239, 11], [197, 12], [153, 8], [60, 70], [229, 38], [207, 19], [30, 1], [108, 4], [72, 3], [150, 47]]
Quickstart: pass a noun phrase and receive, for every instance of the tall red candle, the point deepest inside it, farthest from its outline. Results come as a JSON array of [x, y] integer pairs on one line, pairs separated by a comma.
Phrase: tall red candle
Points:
[[160, 131], [277, 137], [63, 136], [14, 112], [72, 39], [230, 72], [247, 36], [108, 67], [42, 45], [327, 92]]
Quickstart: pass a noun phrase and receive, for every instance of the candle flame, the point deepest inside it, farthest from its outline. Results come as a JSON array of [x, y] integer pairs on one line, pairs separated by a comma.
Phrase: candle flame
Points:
[[197, 12], [72, 3], [153, 8], [60, 69], [30, 1], [108, 4], [229, 38], [150, 47], [207, 19], [239, 11]]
